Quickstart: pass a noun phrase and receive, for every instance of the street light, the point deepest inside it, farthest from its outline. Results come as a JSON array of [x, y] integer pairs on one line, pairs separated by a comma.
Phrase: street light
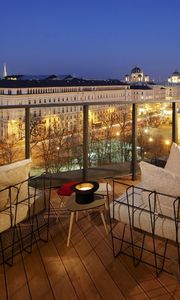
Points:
[[167, 142], [150, 139]]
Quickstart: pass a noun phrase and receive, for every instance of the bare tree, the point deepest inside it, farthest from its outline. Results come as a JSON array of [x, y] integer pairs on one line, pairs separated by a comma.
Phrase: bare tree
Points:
[[9, 149], [123, 119]]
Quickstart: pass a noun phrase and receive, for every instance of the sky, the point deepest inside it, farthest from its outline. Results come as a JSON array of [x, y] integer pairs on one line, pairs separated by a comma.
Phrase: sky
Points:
[[90, 39]]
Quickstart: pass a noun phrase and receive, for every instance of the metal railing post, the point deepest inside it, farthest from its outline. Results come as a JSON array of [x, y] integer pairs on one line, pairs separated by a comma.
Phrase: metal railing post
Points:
[[174, 123], [134, 141], [27, 132], [85, 142]]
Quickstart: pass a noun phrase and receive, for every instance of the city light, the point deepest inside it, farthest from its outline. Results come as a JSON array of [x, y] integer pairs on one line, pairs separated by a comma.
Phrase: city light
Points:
[[167, 142]]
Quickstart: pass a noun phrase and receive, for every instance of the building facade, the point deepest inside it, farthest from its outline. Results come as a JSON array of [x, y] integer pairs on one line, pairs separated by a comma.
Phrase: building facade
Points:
[[174, 78], [76, 91]]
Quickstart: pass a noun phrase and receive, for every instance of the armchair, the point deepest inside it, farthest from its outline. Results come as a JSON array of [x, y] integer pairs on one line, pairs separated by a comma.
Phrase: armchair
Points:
[[145, 219]]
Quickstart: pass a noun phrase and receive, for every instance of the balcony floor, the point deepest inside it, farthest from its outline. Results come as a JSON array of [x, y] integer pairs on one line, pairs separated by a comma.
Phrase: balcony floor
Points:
[[85, 270]]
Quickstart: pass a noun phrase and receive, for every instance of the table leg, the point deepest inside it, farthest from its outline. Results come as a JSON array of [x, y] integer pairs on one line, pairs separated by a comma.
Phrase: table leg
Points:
[[77, 216], [70, 227], [104, 222], [106, 203]]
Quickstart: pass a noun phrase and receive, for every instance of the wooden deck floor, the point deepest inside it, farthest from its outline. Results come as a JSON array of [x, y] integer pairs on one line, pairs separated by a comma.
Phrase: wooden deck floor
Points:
[[85, 270]]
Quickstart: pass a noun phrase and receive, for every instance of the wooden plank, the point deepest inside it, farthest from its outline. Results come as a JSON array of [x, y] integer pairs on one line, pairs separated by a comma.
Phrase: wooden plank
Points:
[[157, 289], [2, 284], [17, 284], [79, 277], [114, 266], [57, 274], [126, 283], [38, 281], [96, 269]]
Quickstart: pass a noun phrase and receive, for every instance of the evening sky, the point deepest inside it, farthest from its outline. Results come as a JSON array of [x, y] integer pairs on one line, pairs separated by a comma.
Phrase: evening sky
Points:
[[93, 39]]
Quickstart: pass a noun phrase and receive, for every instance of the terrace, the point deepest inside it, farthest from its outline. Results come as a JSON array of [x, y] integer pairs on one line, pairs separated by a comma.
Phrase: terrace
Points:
[[87, 269]]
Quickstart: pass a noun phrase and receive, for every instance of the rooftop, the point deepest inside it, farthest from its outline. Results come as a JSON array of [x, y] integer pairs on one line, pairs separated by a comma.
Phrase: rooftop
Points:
[[50, 82]]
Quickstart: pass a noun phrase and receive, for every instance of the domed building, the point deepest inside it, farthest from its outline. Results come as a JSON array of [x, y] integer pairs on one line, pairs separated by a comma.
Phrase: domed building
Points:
[[174, 78], [137, 75]]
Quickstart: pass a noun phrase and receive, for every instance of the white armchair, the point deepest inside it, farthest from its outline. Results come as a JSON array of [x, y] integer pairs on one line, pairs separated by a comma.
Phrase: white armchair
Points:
[[153, 210]]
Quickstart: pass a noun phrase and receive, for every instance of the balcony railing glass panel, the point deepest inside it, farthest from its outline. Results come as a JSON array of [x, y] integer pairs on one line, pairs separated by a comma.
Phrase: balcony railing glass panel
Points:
[[110, 134], [154, 130], [178, 123], [56, 139], [108, 138], [12, 134]]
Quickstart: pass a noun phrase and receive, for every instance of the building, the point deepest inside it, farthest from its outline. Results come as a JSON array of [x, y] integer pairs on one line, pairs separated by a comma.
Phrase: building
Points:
[[174, 78], [70, 90], [147, 93], [137, 75]]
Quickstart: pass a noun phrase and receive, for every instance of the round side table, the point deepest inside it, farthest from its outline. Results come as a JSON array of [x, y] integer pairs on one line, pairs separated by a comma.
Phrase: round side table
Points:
[[74, 207]]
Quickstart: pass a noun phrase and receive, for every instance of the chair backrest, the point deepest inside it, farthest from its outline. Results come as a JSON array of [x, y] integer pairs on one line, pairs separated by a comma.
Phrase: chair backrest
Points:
[[13, 174]]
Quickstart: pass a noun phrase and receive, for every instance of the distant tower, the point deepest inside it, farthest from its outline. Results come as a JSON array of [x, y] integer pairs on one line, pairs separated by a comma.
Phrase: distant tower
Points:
[[4, 71]]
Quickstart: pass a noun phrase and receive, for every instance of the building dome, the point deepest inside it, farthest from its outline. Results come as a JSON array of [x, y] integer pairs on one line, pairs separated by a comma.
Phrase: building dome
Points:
[[136, 70], [176, 73]]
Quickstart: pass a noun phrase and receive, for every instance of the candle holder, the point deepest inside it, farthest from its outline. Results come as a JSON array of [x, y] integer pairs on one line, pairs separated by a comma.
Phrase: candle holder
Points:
[[85, 191]]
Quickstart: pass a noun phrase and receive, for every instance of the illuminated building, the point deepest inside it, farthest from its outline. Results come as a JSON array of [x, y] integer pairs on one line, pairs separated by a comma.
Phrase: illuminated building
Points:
[[70, 90], [137, 75], [174, 78]]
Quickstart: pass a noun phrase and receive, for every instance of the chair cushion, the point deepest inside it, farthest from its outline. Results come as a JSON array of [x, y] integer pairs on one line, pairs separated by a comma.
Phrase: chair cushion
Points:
[[5, 195], [173, 162], [5, 220], [119, 208], [12, 174], [139, 217], [162, 181], [20, 212], [40, 203], [104, 188], [66, 189]]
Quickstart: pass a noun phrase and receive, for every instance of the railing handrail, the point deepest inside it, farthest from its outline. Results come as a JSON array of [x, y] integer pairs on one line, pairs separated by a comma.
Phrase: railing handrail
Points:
[[86, 103]]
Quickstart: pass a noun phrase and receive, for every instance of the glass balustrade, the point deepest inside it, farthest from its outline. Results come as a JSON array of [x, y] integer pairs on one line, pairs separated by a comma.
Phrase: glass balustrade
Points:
[[106, 139]]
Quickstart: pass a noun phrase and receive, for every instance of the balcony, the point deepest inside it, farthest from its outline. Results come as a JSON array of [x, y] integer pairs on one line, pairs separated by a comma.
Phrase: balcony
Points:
[[87, 269]]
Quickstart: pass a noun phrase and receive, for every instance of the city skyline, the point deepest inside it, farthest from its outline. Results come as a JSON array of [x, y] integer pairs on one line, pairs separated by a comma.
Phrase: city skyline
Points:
[[97, 39]]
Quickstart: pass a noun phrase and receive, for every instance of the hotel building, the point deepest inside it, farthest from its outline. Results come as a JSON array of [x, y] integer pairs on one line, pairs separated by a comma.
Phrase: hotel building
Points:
[[71, 90]]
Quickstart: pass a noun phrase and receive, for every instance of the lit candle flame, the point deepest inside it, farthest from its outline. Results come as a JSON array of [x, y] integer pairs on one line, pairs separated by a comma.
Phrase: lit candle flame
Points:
[[85, 188]]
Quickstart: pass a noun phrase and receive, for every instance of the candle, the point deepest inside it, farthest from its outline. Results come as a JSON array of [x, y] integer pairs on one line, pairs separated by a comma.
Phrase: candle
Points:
[[85, 188]]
